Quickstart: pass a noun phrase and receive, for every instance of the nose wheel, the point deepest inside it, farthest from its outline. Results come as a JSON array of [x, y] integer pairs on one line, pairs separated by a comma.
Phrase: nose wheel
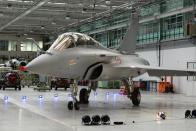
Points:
[[84, 95], [74, 105], [70, 105], [74, 89]]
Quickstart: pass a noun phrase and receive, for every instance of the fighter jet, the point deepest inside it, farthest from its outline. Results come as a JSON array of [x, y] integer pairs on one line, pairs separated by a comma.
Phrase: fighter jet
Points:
[[77, 56]]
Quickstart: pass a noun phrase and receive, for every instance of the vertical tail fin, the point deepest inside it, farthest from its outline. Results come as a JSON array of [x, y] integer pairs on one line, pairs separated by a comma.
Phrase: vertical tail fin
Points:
[[128, 43]]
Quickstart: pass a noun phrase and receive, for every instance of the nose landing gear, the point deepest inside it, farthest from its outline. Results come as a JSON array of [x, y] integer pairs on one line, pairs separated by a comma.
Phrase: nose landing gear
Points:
[[74, 89], [133, 92], [70, 105], [83, 96]]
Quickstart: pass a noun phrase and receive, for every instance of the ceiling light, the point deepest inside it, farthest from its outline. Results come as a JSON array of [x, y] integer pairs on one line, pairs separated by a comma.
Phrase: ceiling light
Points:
[[29, 38], [67, 17], [108, 2], [53, 23], [42, 27]]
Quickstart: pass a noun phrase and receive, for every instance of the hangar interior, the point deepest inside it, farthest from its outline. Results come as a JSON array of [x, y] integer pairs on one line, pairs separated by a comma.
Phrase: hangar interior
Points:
[[166, 37], [166, 29]]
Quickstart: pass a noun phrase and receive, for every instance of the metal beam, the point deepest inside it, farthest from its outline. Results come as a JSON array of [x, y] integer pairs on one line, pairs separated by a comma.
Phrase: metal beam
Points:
[[41, 3]]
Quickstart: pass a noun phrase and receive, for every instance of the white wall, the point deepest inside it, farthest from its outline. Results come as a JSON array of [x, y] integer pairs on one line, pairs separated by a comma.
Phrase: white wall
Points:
[[175, 58]]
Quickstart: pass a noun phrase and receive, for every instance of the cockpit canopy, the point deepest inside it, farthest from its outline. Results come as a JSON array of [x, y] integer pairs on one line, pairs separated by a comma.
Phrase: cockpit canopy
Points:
[[72, 39]]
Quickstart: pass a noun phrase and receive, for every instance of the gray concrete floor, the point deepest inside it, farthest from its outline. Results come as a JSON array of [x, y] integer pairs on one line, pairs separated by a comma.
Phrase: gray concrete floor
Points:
[[51, 114]]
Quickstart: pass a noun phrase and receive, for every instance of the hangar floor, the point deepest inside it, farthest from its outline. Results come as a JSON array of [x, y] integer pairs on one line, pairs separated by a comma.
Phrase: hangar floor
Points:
[[51, 114]]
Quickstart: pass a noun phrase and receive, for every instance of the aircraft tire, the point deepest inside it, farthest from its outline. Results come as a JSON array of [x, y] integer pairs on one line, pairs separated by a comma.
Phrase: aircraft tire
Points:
[[70, 105], [136, 97], [3, 87], [76, 106], [55, 88], [84, 96], [19, 88]]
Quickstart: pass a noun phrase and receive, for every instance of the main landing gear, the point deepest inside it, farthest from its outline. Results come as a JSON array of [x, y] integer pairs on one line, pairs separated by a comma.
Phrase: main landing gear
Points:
[[83, 96], [133, 92]]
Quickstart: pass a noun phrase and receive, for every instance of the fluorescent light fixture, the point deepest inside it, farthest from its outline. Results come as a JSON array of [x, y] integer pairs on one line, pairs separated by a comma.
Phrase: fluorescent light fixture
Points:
[[29, 38], [42, 27], [67, 17], [108, 2], [53, 23]]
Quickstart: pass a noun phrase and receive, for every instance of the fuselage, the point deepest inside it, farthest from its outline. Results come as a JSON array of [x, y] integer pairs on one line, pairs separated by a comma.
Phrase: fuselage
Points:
[[78, 56], [80, 63]]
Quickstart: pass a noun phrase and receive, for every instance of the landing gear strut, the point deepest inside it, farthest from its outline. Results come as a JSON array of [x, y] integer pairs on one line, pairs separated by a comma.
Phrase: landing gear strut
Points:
[[83, 96], [133, 92], [74, 89]]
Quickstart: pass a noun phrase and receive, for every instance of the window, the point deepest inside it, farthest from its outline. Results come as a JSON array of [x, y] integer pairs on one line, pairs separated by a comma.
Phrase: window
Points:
[[12, 46], [148, 32], [172, 27], [191, 65], [115, 37], [72, 39], [188, 3], [30, 46], [63, 42], [171, 5], [4, 45], [150, 10], [102, 38]]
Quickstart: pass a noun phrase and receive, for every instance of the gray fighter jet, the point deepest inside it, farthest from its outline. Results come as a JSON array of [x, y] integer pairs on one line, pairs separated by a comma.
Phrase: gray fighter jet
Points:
[[77, 57]]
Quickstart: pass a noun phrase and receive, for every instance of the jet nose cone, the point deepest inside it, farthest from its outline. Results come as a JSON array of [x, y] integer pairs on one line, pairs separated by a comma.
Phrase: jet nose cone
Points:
[[38, 64], [34, 65]]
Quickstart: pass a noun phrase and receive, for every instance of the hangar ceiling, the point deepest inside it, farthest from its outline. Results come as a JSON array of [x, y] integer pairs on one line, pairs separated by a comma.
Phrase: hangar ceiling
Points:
[[50, 16]]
